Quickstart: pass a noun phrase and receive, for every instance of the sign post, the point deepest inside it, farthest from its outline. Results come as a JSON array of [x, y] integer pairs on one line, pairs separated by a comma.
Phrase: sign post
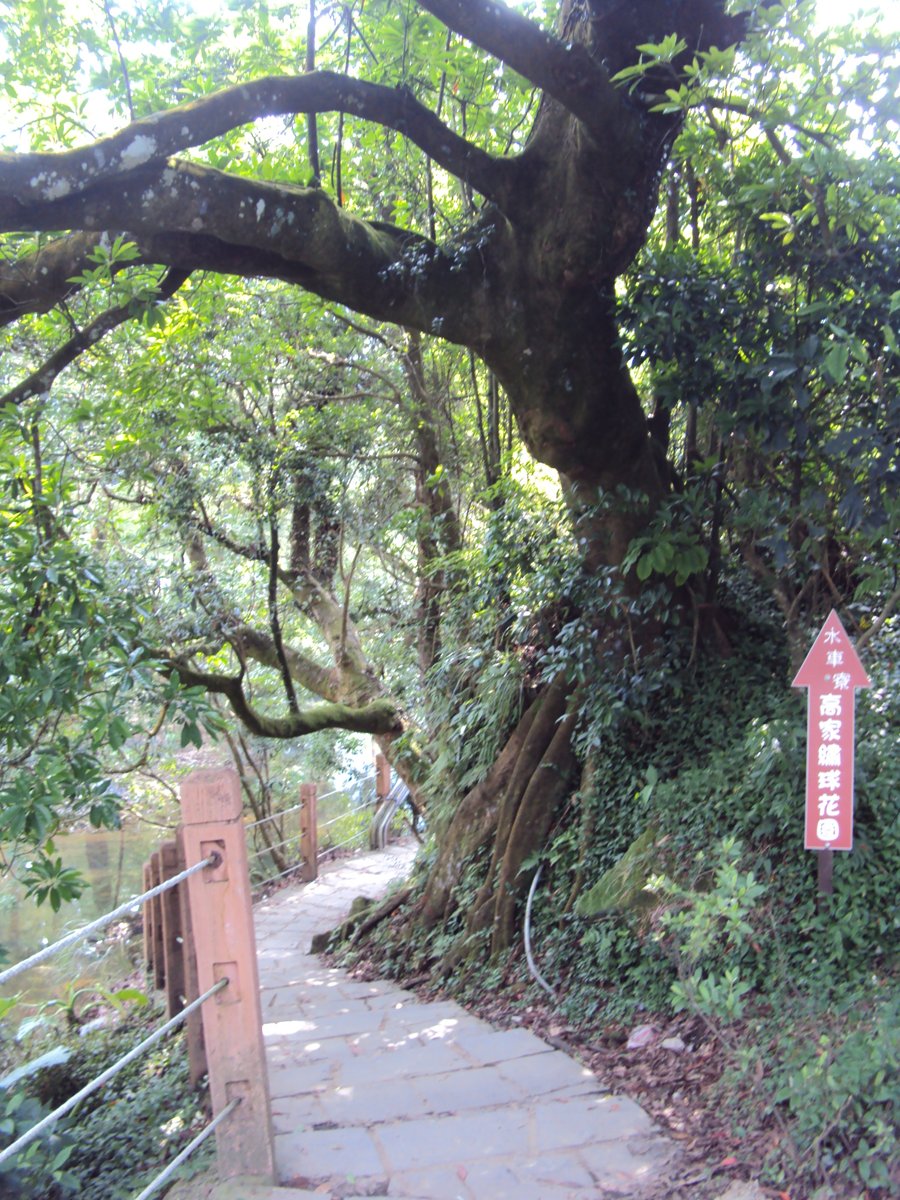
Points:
[[832, 672]]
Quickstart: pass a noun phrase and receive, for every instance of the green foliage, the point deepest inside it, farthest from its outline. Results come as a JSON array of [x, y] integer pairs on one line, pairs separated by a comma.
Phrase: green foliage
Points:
[[760, 324], [66, 665], [496, 628], [626, 885], [696, 927], [47, 879], [838, 1082], [128, 1131], [606, 968], [41, 1168], [666, 550], [73, 1004], [75, 670], [652, 56], [349, 831]]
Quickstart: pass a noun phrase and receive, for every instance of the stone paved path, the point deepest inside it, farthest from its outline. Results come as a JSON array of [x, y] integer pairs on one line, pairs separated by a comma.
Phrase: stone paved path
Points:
[[377, 1094]]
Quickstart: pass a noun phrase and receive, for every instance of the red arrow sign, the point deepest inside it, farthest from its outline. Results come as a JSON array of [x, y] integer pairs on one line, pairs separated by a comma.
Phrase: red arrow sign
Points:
[[832, 672]]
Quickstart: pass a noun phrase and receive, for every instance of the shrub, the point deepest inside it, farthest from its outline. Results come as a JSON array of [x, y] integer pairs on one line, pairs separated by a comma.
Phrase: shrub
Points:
[[837, 1081], [40, 1169], [135, 1124]]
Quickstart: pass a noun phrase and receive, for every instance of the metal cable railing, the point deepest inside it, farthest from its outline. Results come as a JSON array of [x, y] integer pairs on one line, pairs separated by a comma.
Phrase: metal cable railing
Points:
[[355, 803], [279, 874], [284, 812], [101, 922], [357, 798], [104, 1077], [296, 807], [165, 1175], [357, 839], [270, 846], [142, 1047]]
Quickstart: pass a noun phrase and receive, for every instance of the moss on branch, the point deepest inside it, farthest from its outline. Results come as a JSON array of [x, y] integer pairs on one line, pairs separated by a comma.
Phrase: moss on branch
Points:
[[378, 717]]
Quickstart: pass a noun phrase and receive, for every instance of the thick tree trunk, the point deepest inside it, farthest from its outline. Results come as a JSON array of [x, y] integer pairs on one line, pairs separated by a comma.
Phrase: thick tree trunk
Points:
[[510, 813]]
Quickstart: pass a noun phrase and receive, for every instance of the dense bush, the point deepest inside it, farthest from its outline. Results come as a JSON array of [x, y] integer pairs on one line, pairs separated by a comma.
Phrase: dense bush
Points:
[[120, 1137], [40, 1169]]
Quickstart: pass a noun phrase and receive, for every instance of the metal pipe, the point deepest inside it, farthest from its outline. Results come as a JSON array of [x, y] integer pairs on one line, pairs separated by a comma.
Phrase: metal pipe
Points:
[[527, 936]]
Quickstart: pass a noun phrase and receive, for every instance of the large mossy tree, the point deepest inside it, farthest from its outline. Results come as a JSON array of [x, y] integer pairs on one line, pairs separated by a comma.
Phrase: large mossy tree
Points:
[[538, 145]]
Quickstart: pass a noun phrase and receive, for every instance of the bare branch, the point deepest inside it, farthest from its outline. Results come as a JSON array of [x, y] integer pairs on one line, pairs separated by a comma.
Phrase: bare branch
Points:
[[878, 624], [125, 76], [274, 620]]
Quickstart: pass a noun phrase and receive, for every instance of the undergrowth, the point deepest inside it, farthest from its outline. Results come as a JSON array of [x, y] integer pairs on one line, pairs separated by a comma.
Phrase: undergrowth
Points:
[[118, 1139], [715, 912]]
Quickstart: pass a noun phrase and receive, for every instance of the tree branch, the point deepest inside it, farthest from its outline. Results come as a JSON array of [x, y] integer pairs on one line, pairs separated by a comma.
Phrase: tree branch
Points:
[[878, 624], [259, 646], [379, 717], [565, 71], [38, 178], [40, 381], [35, 282], [197, 218], [274, 621]]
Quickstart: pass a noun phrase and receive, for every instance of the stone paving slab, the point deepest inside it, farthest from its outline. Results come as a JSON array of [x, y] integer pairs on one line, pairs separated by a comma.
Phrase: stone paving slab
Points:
[[378, 1095]]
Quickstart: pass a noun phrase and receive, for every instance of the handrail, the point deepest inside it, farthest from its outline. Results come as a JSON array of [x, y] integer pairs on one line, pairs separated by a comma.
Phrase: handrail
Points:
[[77, 934], [104, 1077], [357, 785], [283, 812], [211, 818], [398, 795], [356, 794], [275, 846], [166, 1174], [339, 845], [333, 820]]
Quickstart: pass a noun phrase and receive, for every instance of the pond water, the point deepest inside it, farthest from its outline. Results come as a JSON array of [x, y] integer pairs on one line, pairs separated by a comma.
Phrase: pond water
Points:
[[112, 862]]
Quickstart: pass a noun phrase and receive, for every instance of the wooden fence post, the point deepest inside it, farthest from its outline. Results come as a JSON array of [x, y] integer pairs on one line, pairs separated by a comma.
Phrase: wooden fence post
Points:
[[225, 943], [153, 926], [147, 921], [382, 777], [193, 1026], [309, 832], [172, 938]]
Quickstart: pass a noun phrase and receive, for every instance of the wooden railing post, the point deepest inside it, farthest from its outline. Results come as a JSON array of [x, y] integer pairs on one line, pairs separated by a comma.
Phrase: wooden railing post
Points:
[[309, 832], [153, 925], [193, 1026], [382, 777], [147, 921], [225, 943], [172, 939]]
